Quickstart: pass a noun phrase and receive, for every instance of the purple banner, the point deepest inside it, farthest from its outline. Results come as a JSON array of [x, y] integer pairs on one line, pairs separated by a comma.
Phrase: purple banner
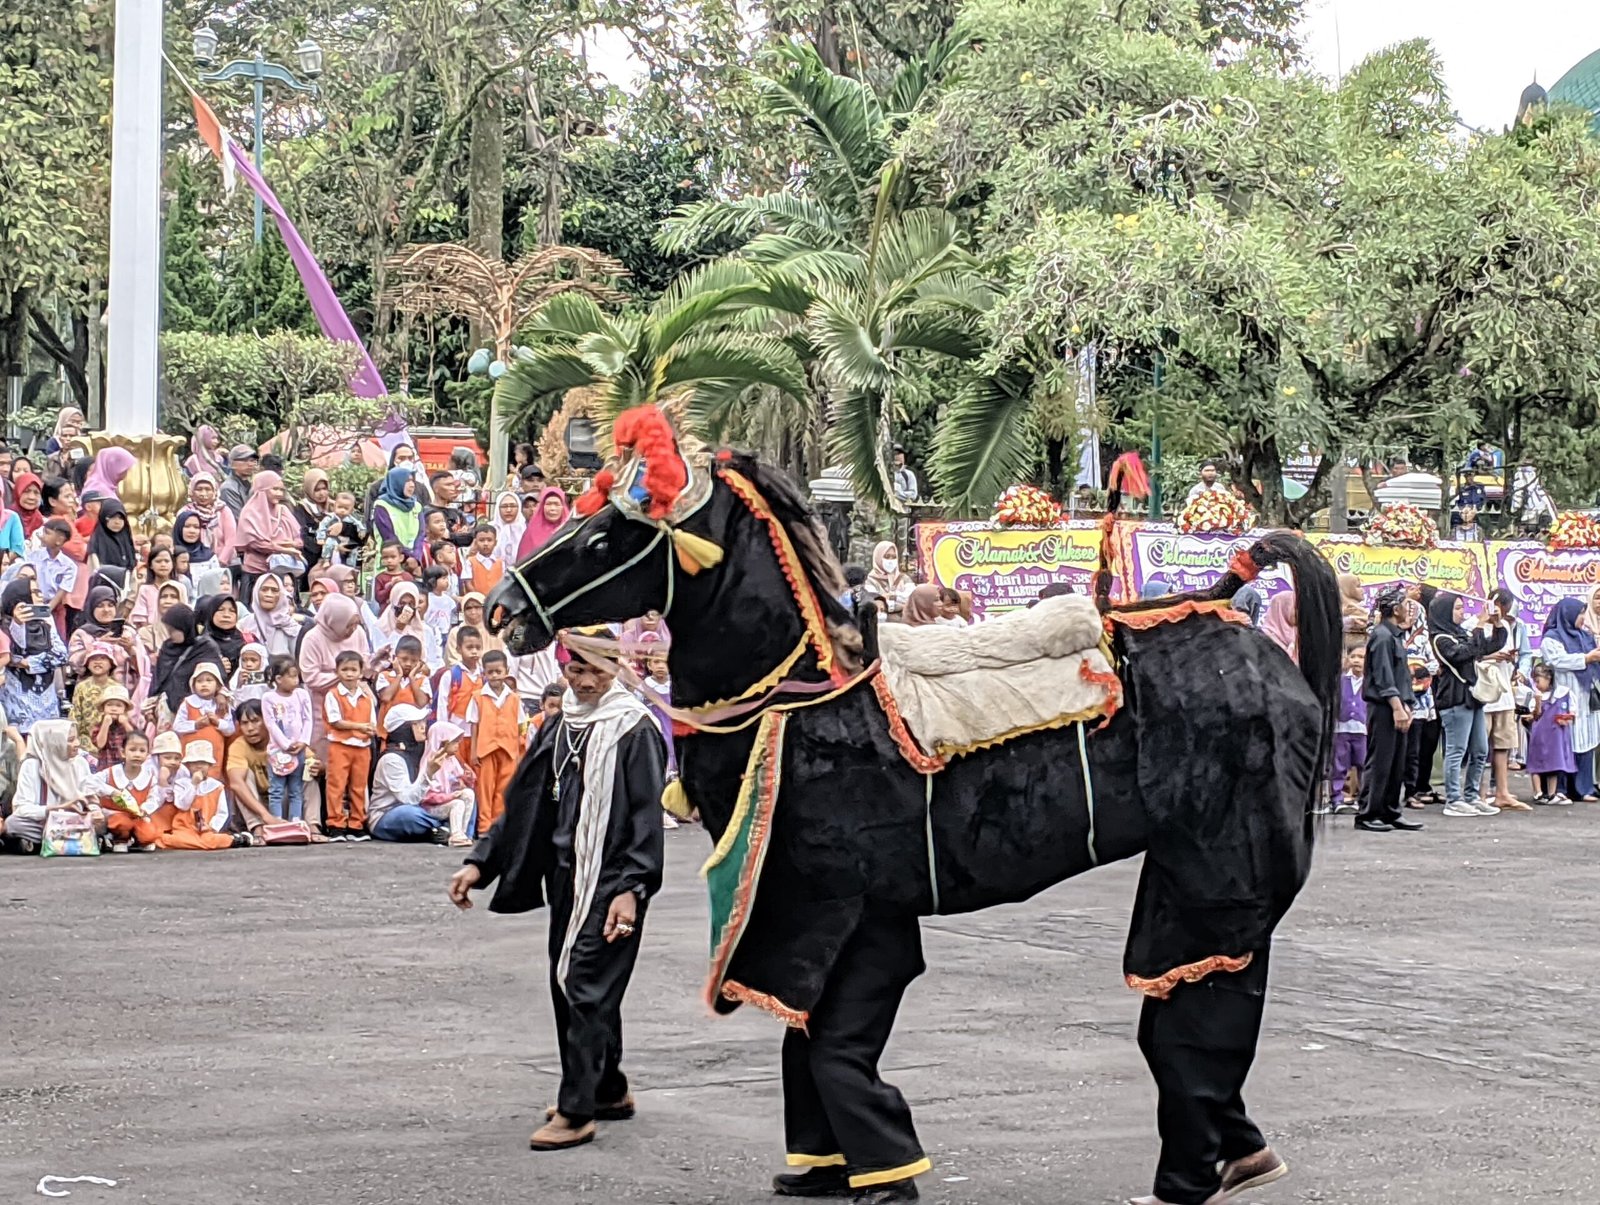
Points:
[[1540, 577], [1190, 562]]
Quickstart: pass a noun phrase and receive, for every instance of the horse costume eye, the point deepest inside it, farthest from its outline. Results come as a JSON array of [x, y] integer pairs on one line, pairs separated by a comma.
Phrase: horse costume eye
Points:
[[596, 540]]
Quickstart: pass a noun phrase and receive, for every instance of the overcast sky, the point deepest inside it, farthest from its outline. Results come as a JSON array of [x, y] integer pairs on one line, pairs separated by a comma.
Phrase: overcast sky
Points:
[[1491, 51]]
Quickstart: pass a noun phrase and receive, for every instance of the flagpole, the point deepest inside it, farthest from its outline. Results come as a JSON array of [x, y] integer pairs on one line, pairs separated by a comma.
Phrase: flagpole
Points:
[[133, 310]]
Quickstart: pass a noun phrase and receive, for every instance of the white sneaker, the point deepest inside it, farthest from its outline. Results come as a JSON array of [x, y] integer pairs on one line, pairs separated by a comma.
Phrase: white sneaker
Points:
[[1485, 808], [1460, 809]]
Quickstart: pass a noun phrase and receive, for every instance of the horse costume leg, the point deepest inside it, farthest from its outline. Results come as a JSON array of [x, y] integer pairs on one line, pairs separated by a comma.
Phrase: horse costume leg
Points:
[[837, 1111], [1199, 1043]]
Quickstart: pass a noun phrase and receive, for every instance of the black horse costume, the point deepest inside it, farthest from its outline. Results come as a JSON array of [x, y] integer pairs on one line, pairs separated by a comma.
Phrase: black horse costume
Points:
[[1208, 757]]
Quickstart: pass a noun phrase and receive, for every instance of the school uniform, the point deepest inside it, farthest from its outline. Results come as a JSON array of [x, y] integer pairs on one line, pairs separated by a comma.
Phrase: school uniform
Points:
[[407, 694], [198, 817], [497, 744], [483, 574], [141, 788], [1349, 735], [349, 766], [191, 727]]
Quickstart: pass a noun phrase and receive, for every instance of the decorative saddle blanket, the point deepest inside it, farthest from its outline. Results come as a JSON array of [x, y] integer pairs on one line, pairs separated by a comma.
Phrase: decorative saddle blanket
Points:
[[961, 689]]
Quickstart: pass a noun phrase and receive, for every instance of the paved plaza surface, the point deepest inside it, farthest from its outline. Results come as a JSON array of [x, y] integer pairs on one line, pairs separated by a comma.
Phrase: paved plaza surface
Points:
[[320, 1026]]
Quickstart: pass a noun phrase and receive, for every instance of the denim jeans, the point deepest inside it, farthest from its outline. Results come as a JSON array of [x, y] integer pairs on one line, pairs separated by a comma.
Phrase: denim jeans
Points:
[[292, 785], [1466, 748], [405, 822]]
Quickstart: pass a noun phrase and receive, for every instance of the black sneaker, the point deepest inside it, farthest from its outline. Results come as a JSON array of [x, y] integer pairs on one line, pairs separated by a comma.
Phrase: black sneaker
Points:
[[440, 836], [334, 834], [814, 1182], [885, 1194], [355, 835]]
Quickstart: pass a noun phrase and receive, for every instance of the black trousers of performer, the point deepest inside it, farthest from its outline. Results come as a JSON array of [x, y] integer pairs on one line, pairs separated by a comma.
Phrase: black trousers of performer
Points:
[[1422, 745], [1199, 1043], [1383, 777], [836, 1111], [589, 1011]]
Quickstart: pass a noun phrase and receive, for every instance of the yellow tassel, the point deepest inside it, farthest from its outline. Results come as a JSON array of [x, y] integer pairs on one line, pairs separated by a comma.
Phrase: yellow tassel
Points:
[[676, 800], [695, 552]]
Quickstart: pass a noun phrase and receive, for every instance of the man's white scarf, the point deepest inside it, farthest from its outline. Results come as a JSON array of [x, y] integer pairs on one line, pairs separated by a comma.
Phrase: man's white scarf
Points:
[[605, 720]]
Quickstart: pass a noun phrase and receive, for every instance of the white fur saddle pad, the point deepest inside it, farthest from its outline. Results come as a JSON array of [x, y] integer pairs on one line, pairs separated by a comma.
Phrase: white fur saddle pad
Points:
[[959, 689]]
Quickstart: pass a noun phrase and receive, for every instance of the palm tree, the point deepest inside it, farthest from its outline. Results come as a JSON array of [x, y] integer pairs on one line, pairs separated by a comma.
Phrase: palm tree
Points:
[[694, 344], [886, 282]]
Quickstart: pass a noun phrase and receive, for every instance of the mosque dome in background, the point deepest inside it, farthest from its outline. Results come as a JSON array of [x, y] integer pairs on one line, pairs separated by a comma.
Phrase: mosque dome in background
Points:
[[1580, 86]]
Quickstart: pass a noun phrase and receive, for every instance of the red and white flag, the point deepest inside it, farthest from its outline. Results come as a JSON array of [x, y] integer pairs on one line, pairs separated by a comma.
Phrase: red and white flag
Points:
[[215, 137]]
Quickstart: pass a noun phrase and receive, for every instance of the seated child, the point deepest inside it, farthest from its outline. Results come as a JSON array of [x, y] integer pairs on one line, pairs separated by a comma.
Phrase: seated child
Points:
[[200, 804], [130, 798]]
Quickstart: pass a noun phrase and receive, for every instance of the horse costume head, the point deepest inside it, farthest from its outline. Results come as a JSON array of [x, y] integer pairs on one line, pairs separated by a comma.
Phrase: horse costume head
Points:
[[667, 527]]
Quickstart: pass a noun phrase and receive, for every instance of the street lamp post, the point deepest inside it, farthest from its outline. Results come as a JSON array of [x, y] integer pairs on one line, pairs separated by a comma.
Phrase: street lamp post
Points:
[[309, 56]]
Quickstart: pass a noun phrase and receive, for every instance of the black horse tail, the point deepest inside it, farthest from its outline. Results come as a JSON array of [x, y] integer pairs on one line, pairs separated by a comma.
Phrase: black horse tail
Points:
[[1320, 627]]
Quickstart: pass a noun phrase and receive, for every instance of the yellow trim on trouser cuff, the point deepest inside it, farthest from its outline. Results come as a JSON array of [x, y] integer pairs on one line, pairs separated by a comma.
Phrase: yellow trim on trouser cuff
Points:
[[814, 1160], [868, 1179]]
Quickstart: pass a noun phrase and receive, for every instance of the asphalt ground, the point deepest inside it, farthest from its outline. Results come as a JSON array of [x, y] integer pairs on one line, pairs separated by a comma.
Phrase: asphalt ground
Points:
[[319, 1026]]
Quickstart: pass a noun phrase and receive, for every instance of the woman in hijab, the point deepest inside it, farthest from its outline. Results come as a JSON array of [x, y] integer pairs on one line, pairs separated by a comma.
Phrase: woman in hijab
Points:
[[1247, 601], [55, 775], [203, 454], [408, 802], [309, 511], [548, 518], [922, 607], [1569, 648], [887, 580], [1280, 624], [106, 474], [1466, 733], [35, 651], [30, 495], [153, 634], [1353, 609], [267, 528], [217, 616], [218, 528], [508, 527], [189, 536], [272, 621], [111, 544], [397, 515], [104, 624], [344, 581], [337, 629], [185, 648]]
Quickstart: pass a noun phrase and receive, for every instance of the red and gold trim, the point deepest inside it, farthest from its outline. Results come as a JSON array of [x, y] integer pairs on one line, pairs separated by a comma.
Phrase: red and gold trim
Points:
[[1161, 987], [922, 763], [789, 561], [1141, 620], [889, 1175], [794, 1018], [751, 820]]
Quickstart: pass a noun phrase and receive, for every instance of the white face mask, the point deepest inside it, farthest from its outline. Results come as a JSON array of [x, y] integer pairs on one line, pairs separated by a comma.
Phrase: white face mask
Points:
[[891, 565]]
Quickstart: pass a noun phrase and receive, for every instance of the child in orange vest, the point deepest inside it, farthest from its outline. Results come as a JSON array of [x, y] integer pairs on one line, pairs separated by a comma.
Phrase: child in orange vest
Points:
[[495, 720], [204, 715], [459, 684], [351, 710], [200, 805], [405, 681], [483, 569], [135, 781]]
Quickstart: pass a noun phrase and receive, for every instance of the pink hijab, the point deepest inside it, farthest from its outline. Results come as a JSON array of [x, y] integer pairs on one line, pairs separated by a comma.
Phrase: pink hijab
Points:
[[203, 456], [541, 529], [261, 522], [1279, 625], [337, 627], [108, 470]]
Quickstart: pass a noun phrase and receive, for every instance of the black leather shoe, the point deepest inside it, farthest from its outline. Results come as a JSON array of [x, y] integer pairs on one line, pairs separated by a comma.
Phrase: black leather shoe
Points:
[[814, 1182], [1409, 826], [885, 1194], [1375, 826]]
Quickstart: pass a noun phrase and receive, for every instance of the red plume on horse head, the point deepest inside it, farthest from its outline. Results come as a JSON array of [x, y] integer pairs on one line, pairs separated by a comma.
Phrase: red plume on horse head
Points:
[[648, 434]]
